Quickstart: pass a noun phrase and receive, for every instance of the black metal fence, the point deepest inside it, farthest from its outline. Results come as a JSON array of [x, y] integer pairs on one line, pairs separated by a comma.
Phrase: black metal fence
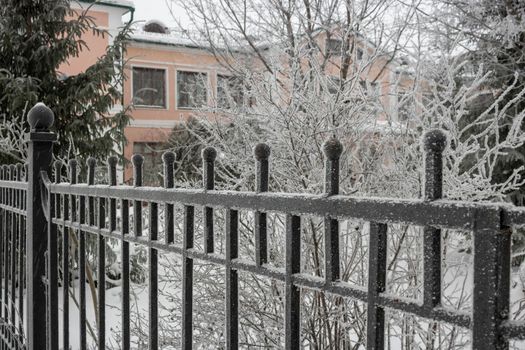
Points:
[[91, 209]]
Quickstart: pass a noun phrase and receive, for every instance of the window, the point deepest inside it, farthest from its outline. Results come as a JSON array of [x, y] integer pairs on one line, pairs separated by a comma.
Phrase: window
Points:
[[192, 89], [229, 91], [405, 106], [149, 87], [359, 54], [333, 47], [334, 85]]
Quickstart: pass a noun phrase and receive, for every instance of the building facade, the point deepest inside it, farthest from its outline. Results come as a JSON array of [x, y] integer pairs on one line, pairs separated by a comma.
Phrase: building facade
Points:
[[169, 77]]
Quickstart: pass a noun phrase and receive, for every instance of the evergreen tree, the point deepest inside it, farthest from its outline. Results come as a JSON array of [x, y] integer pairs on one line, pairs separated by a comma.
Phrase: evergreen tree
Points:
[[36, 38]]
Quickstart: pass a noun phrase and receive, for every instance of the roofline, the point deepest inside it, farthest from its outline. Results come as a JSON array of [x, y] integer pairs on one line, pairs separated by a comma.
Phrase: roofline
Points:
[[155, 42], [110, 4]]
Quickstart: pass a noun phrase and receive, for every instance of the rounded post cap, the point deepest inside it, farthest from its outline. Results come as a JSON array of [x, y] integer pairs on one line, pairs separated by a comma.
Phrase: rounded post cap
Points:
[[40, 117], [137, 159], [332, 148], [19, 166], [91, 162], [12, 168], [72, 163], [262, 151], [112, 161], [435, 140], [209, 154], [168, 157], [58, 164]]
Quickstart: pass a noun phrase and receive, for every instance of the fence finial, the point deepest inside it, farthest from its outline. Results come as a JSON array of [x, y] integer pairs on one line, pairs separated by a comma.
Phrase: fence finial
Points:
[[137, 160], [40, 117], [208, 158], [112, 170], [168, 158], [72, 171], [58, 170], [332, 148], [435, 140], [209, 154], [19, 167], [91, 164], [261, 151], [12, 172]]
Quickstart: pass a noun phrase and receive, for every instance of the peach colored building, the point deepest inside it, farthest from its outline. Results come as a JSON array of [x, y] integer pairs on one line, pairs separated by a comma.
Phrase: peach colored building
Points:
[[169, 76]]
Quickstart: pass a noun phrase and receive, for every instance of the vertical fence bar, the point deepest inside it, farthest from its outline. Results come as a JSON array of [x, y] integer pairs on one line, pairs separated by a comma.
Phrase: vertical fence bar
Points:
[[153, 278], [232, 280], [377, 253], [434, 143], [20, 262], [52, 244], [82, 274], [6, 258], [40, 153], [292, 317], [12, 259], [187, 278], [21, 272], [3, 236], [101, 274], [262, 154], [491, 281], [332, 150], [168, 159], [91, 165], [2, 253], [137, 161], [208, 178], [5, 171], [69, 210], [14, 232], [126, 337]]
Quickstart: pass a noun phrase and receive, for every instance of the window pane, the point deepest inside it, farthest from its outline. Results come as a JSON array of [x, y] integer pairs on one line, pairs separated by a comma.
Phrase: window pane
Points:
[[333, 47], [191, 89], [149, 87], [359, 54], [229, 91], [405, 105]]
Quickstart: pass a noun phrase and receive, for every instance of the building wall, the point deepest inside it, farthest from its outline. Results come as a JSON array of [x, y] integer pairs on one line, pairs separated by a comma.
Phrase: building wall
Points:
[[151, 124], [104, 17], [96, 46]]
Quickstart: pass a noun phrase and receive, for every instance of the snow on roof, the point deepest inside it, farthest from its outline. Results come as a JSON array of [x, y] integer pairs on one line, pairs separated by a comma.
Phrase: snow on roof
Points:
[[172, 38]]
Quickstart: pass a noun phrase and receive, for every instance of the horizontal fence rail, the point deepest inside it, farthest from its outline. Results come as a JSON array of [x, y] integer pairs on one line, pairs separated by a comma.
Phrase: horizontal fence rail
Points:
[[74, 212]]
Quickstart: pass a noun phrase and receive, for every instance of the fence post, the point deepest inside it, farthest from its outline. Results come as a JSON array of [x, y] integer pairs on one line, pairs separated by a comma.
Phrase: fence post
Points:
[[40, 154], [434, 143]]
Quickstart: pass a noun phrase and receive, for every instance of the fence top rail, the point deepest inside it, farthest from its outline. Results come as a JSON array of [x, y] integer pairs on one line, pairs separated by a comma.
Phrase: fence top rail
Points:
[[17, 185], [439, 213]]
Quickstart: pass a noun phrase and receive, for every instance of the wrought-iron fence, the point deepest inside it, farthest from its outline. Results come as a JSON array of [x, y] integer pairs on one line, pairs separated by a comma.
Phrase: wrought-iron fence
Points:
[[12, 254], [91, 209]]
